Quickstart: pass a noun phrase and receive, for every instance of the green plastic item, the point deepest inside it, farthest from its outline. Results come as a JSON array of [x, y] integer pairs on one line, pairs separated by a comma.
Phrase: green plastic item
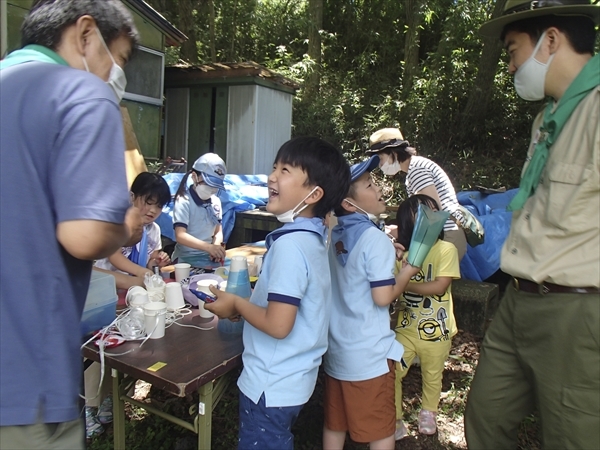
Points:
[[428, 226]]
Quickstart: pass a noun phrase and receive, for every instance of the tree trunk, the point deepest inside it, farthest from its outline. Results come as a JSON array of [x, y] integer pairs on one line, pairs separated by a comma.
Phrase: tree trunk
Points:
[[476, 108], [211, 31], [315, 24], [233, 32], [414, 17], [187, 24]]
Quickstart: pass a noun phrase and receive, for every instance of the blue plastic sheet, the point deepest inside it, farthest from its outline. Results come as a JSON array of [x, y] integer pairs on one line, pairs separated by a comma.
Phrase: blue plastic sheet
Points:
[[247, 192], [241, 193], [481, 262]]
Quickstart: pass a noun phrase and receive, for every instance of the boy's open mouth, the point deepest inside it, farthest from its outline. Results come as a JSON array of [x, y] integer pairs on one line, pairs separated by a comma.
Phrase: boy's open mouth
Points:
[[273, 193]]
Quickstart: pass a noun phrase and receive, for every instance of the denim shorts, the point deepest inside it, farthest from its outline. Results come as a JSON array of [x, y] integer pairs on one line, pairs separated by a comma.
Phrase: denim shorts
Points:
[[263, 428]]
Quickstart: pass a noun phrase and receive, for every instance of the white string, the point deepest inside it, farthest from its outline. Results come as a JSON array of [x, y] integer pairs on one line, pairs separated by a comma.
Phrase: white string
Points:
[[171, 317]]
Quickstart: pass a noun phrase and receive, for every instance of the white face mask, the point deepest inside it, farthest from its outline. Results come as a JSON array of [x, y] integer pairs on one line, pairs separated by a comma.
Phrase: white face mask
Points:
[[372, 217], [530, 78], [204, 191], [289, 216], [116, 79], [390, 169]]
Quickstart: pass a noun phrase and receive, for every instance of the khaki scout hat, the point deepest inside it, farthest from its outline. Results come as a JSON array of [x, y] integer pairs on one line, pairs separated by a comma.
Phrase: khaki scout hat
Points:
[[518, 10], [385, 138]]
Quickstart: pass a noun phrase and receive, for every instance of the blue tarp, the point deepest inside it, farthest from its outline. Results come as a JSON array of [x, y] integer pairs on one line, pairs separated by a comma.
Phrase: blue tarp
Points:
[[242, 193], [483, 261]]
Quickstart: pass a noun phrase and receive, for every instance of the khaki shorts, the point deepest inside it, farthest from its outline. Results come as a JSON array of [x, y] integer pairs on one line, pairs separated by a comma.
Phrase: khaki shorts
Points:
[[363, 408]]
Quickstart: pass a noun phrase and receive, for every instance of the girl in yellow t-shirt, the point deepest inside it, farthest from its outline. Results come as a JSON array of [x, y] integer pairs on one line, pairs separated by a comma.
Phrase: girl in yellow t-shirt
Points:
[[425, 320]]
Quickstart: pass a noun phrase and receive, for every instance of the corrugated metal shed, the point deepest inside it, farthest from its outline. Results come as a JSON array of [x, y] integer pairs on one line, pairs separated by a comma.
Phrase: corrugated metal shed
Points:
[[242, 111]]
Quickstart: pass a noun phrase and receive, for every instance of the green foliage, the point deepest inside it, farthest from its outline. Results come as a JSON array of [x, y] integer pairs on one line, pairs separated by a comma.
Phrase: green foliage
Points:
[[361, 76]]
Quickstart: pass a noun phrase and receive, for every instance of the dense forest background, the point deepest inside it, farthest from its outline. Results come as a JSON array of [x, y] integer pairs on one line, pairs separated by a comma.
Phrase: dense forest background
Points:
[[419, 65]]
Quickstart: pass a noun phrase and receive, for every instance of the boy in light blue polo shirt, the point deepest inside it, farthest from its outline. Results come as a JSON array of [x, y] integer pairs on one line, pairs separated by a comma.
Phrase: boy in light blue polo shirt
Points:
[[285, 335], [359, 363]]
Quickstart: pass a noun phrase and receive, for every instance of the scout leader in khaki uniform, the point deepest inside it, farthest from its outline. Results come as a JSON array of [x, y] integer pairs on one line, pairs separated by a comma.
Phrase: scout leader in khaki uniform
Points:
[[542, 349]]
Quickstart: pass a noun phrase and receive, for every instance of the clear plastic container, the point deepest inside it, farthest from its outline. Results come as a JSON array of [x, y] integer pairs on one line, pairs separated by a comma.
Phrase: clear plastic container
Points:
[[101, 303]]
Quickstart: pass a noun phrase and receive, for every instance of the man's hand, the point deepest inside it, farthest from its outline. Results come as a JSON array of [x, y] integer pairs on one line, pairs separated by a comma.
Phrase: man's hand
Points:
[[134, 225]]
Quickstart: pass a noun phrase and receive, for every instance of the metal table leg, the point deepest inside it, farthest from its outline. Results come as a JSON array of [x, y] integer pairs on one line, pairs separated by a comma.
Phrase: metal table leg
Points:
[[118, 411], [204, 418]]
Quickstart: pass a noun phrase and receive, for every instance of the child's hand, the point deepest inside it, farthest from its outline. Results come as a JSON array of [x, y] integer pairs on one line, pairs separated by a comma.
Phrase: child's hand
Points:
[[224, 306], [400, 250], [161, 258], [407, 268], [216, 252]]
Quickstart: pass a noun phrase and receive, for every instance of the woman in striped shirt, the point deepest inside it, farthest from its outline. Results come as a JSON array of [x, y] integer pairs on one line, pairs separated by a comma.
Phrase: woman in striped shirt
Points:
[[423, 176]]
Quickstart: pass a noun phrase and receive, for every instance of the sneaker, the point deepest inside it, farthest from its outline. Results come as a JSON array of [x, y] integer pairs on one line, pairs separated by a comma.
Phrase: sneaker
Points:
[[105, 411], [401, 431], [93, 427], [427, 423]]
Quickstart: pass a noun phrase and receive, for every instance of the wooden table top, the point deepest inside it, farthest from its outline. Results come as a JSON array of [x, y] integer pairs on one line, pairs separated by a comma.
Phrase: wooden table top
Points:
[[247, 250], [193, 357]]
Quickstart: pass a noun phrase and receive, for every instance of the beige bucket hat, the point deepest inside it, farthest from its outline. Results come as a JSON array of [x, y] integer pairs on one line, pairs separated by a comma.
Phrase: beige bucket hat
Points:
[[385, 138], [518, 10]]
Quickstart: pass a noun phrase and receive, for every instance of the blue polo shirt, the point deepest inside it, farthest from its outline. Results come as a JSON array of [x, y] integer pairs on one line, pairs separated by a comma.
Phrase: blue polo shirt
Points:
[[61, 159], [200, 218], [296, 271], [360, 338]]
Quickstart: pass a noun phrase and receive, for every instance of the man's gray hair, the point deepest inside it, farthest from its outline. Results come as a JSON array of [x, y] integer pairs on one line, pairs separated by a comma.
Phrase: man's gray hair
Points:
[[47, 19]]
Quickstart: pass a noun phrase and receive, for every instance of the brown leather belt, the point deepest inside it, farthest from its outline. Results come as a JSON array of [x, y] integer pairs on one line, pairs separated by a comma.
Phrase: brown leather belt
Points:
[[520, 284]]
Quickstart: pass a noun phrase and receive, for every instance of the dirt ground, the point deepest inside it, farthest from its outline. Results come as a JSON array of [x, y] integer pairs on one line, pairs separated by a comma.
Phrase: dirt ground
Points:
[[145, 431]]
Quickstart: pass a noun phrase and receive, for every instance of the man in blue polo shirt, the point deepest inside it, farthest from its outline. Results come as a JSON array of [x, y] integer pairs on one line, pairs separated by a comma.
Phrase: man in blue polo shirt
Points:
[[64, 203]]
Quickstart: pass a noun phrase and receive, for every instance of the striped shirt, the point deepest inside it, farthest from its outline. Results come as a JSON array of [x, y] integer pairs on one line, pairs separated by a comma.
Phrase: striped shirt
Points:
[[423, 172]]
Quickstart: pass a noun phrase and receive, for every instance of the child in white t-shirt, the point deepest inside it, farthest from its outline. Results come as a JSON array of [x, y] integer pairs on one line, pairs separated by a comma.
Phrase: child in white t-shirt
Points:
[[149, 192]]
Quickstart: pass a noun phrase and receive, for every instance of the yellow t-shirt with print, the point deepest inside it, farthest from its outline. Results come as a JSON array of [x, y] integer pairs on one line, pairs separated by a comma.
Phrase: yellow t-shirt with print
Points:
[[430, 317]]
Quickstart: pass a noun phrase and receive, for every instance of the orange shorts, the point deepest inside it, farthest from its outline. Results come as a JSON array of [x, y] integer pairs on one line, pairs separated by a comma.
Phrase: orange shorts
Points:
[[365, 409]]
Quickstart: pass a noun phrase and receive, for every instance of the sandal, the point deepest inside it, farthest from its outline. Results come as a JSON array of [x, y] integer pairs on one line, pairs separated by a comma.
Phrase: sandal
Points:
[[401, 431]]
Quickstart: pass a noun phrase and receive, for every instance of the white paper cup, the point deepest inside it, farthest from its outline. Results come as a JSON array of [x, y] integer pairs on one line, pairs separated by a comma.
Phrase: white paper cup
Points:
[[174, 296], [238, 264], [258, 260], [203, 286], [182, 271], [154, 319], [222, 272], [137, 295], [252, 270]]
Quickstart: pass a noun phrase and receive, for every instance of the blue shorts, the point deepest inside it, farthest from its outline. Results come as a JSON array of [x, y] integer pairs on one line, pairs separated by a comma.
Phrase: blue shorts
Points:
[[263, 428]]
